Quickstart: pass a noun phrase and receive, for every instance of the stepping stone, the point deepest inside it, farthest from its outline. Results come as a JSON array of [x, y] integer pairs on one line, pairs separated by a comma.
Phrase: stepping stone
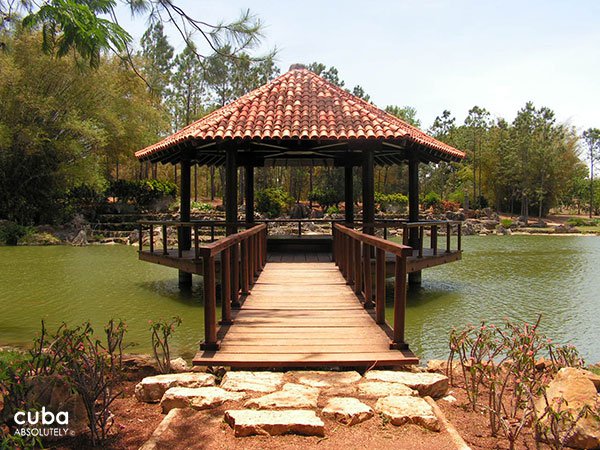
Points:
[[151, 389], [248, 422], [197, 398], [252, 381], [324, 379], [428, 384], [347, 410], [291, 396], [378, 389], [401, 409]]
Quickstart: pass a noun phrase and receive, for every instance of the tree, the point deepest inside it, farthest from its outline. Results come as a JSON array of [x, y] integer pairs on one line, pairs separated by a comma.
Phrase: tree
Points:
[[406, 113], [157, 60], [478, 123], [591, 136]]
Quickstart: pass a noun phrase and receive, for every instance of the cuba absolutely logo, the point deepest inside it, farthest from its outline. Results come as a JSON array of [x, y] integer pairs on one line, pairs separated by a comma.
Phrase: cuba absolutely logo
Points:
[[42, 423]]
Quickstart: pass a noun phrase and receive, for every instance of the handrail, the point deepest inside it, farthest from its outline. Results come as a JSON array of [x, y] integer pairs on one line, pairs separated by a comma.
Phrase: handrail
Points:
[[352, 253]]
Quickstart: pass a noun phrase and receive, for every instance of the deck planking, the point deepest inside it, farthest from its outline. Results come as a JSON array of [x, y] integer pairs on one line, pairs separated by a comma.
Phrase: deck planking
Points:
[[301, 313]]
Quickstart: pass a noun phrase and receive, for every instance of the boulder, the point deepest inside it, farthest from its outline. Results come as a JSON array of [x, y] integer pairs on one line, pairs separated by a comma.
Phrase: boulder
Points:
[[80, 240], [325, 379], [433, 384], [247, 422], [138, 366], [377, 389], [291, 396], [347, 410], [151, 389], [399, 409], [179, 365], [196, 398], [571, 390], [252, 381]]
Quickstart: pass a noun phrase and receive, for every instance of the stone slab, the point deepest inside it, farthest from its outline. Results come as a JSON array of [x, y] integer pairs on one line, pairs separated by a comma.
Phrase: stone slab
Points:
[[347, 410], [324, 379], [247, 422], [291, 396], [197, 398], [378, 389], [432, 384], [399, 410], [252, 381], [151, 389]]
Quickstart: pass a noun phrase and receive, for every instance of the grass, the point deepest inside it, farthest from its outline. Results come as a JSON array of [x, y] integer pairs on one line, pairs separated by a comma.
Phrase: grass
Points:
[[594, 369]]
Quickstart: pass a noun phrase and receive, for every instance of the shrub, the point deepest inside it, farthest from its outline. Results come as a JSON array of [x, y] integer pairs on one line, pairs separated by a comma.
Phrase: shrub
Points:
[[273, 201], [86, 200], [11, 233], [326, 196], [506, 223], [391, 202], [333, 210], [431, 200], [142, 193], [582, 222], [161, 332], [203, 207], [457, 197]]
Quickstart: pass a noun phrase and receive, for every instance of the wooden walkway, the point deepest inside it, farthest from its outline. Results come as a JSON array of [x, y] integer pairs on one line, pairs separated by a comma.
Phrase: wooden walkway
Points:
[[302, 314]]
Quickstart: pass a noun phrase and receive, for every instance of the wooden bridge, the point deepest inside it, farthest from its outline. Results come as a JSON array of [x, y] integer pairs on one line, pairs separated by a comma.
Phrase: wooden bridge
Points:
[[301, 309]]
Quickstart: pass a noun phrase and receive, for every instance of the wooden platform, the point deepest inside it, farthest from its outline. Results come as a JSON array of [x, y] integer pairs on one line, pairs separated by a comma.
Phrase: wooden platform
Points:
[[302, 314]]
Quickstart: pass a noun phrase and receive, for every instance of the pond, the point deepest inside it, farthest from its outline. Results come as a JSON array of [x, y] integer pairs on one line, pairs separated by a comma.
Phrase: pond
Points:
[[500, 276]]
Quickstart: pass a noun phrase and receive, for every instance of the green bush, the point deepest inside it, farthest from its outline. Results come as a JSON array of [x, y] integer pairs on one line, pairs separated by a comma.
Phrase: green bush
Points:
[[326, 197], [506, 223], [142, 193], [203, 207], [391, 202], [333, 210], [86, 200], [273, 201], [431, 199], [581, 222], [457, 196], [11, 233]]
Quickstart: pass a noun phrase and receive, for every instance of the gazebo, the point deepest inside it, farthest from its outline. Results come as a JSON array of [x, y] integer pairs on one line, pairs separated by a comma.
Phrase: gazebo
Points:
[[299, 118]]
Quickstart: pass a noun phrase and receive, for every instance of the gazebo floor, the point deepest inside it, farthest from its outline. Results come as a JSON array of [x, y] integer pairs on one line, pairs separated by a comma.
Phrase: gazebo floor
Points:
[[302, 314]]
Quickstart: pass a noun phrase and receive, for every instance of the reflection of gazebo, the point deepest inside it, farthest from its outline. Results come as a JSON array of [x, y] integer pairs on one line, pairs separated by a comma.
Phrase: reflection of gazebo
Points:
[[301, 119]]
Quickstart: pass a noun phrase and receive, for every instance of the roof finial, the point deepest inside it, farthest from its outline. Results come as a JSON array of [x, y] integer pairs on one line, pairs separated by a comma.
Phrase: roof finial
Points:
[[297, 66]]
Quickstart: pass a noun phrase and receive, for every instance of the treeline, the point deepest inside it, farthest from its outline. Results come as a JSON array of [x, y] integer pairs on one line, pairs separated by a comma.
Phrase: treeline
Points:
[[72, 113]]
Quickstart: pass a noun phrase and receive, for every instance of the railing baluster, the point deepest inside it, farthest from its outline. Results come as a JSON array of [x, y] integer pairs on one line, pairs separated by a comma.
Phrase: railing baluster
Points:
[[140, 237], [368, 288], [421, 233], [210, 306], [235, 276], [299, 228], [380, 286], [349, 259], [244, 267], [196, 243], [151, 238], [179, 239], [434, 240], [458, 237], [212, 232], [357, 266], [448, 233], [226, 287], [165, 240]]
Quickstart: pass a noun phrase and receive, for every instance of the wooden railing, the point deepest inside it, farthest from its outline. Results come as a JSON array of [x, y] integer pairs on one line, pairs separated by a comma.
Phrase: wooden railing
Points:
[[242, 257], [298, 222], [352, 252], [418, 228]]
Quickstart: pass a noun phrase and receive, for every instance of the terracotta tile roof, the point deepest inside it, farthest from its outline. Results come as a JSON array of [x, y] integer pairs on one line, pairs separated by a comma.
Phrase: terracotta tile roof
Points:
[[299, 105]]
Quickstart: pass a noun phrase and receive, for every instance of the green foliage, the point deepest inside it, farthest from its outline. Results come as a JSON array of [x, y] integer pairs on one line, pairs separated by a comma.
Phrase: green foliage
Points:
[[273, 202], [86, 200], [332, 210], [431, 200], [457, 196], [11, 233], [326, 196], [581, 222], [203, 207], [406, 113], [506, 223], [391, 202], [161, 331], [142, 193]]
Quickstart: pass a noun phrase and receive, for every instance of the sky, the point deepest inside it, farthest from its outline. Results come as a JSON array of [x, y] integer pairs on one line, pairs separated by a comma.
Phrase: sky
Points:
[[436, 54]]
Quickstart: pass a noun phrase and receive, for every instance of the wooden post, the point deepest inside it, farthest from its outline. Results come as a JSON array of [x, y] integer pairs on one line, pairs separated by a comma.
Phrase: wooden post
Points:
[[348, 195], [151, 238], [399, 304], [368, 186], [165, 239], [448, 233], [434, 240], [231, 191], [244, 268], [249, 194], [235, 276], [185, 233], [350, 263], [210, 306], [368, 288], [413, 211], [380, 286], [140, 237], [226, 287], [357, 267]]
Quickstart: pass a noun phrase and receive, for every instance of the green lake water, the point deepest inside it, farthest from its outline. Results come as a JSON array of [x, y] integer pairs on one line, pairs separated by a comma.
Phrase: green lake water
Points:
[[500, 276]]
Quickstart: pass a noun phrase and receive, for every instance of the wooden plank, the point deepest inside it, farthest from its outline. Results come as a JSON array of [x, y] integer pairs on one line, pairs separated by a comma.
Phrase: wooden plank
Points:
[[305, 348], [251, 359]]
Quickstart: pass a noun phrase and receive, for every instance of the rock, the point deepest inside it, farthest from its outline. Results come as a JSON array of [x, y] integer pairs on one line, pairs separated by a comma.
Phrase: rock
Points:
[[274, 423], [151, 389], [346, 390], [252, 381], [449, 399], [80, 240], [400, 409], [325, 379], [347, 410], [179, 365], [377, 389], [291, 396], [571, 390], [432, 384], [138, 366], [594, 378], [197, 398]]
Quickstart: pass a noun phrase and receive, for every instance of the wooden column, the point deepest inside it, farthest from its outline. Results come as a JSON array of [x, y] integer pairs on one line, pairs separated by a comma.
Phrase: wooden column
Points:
[[210, 306], [399, 304], [249, 194], [231, 185], [368, 187], [413, 211], [380, 268], [226, 287], [348, 194], [185, 278]]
